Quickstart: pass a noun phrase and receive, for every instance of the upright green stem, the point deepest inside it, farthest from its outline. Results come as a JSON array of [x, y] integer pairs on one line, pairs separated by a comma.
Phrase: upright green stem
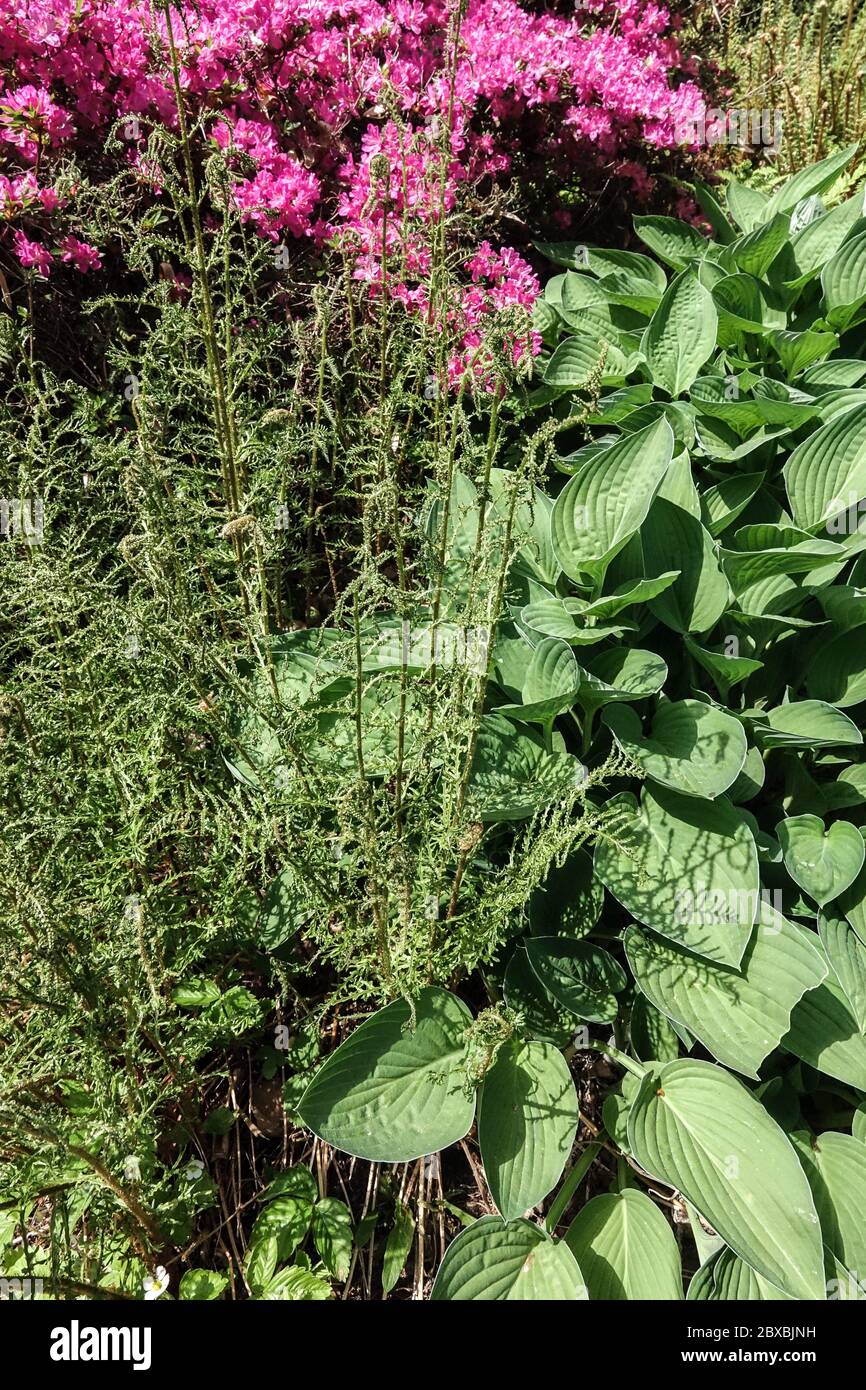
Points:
[[573, 1180]]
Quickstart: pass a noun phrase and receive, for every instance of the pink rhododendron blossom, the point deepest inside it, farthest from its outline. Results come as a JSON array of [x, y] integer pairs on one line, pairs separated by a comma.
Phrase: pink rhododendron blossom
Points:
[[79, 254], [331, 113], [32, 254]]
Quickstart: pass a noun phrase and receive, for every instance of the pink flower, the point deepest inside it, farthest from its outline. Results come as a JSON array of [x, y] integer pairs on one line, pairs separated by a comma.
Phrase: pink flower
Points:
[[79, 254], [32, 254]]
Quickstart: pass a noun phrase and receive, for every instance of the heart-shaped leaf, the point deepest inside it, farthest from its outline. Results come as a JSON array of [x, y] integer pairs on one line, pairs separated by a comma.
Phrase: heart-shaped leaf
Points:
[[823, 862], [835, 1165], [396, 1088], [726, 1277]]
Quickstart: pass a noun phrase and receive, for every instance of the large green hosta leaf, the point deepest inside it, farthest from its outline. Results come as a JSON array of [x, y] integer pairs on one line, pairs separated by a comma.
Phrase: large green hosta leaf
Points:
[[825, 1033], [726, 1277], [686, 868], [603, 505], [681, 334], [699, 597], [827, 472], [740, 1015], [513, 776], [393, 1091], [693, 748], [696, 1127], [835, 1165], [508, 1260], [626, 1249], [527, 1120], [582, 977], [847, 956], [621, 673]]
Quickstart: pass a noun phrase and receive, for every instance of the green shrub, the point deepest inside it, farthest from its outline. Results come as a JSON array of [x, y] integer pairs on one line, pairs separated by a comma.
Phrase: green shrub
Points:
[[684, 617]]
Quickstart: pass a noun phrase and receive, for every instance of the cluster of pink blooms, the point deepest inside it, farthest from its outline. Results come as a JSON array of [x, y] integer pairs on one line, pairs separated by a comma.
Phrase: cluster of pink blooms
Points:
[[332, 112]]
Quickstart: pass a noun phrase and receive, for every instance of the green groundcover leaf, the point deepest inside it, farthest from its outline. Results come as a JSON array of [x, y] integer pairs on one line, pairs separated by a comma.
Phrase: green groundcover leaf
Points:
[[739, 1014], [686, 868], [527, 1120], [693, 748], [509, 1260], [393, 1092], [835, 1165], [695, 1126], [725, 1277], [581, 976], [823, 862], [626, 1249]]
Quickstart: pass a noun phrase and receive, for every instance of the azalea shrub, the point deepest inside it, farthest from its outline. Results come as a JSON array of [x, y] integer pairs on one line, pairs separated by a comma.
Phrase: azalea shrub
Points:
[[353, 125], [677, 665]]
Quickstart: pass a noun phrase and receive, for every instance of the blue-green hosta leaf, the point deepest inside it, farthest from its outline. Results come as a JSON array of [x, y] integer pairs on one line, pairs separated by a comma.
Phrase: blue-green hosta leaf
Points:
[[393, 1092], [554, 618], [804, 724], [670, 856], [815, 178], [603, 505], [798, 350], [513, 776], [755, 251], [693, 748], [673, 241], [582, 977], [543, 1016], [835, 1165], [838, 374], [825, 1033], [838, 672], [746, 204], [843, 281], [827, 471], [745, 305], [724, 501], [527, 1120], [847, 956], [550, 684], [853, 904], [726, 670], [812, 247], [696, 1127], [823, 862], [508, 1260], [739, 1014], [681, 335], [622, 673], [698, 598], [626, 1249], [623, 596], [579, 359], [726, 1277]]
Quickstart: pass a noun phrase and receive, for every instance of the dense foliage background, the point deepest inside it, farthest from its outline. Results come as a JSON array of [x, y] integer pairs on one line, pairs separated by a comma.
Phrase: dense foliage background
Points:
[[433, 450]]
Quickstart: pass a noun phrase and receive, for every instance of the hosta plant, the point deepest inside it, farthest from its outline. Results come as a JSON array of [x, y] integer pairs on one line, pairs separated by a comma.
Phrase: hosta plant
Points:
[[671, 574]]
